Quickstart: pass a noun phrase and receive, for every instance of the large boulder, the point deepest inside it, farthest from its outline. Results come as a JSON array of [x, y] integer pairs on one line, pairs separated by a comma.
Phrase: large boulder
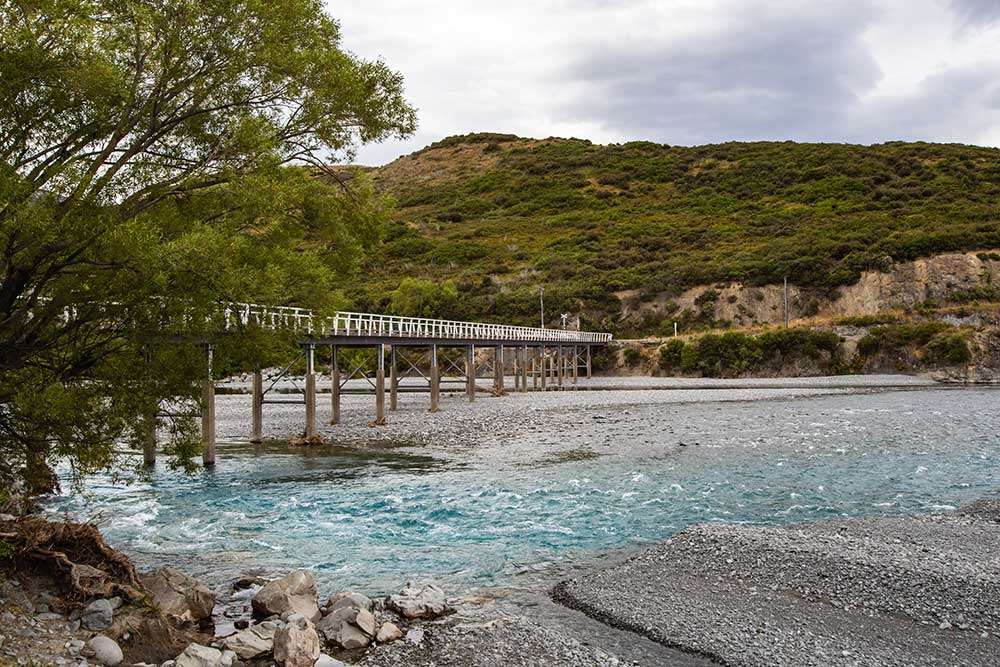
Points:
[[348, 599], [98, 615], [296, 644], [179, 596], [389, 632], [426, 602], [196, 655], [340, 627], [252, 642], [295, 593]]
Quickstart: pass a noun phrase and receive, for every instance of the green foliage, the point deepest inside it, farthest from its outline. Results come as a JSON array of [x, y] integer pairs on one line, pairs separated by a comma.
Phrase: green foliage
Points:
[[423, 298], [145, 183], [589, 221], [632, 357], [671, 354], [898, 336], [950, 349], [980, 294], [735, 353]]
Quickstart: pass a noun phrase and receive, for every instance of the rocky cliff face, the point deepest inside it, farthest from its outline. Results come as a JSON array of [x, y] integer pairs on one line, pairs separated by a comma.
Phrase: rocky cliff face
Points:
[[903, 285]]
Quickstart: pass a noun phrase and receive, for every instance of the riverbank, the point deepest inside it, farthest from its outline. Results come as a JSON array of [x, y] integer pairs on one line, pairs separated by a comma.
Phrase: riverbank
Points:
[[893, 592]]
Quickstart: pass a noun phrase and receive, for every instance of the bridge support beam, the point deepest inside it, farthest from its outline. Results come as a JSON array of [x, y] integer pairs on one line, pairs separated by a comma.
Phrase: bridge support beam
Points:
[[334, 386], [588, 363], [208, 413], [524, 368], [435, 379], [380, 385], [470, 372], [149, 439], [543, 365], [561, 360], [498, 370], [257, 408], [515, 364], [310, 391], [393, 380]]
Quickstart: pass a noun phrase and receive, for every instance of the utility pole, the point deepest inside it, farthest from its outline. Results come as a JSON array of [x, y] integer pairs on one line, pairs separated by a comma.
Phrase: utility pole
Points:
[[541, 302], [786, 302]]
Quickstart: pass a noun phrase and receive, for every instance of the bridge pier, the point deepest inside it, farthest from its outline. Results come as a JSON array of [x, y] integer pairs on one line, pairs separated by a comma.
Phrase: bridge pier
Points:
[[561, 360], [514, 362], [543, 365], [470, 372], [149, 439], [380, 385], [588, 363], [524, 368], [498, 370], [257, 408], [435, 379], [576, 363], [208, 413], [310, 391], [393, 379], [334, 387]]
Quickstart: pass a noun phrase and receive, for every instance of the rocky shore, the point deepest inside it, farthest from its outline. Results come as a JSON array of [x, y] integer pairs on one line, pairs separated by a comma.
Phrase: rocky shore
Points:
[[882, 591]]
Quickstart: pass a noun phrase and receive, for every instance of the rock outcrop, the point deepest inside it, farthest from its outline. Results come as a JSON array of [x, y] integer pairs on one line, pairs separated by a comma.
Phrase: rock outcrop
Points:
[[179, 596], [295, 593]]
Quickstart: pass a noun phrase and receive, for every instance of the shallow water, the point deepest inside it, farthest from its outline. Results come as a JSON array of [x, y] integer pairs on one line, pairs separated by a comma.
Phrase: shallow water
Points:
[[374, 519]]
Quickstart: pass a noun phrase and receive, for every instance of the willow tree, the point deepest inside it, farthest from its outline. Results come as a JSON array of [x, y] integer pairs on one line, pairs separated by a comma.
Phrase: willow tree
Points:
[[158, 158]]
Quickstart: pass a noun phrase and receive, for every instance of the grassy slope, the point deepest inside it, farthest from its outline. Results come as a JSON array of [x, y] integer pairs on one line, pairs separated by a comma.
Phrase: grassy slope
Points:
[[502, 215]]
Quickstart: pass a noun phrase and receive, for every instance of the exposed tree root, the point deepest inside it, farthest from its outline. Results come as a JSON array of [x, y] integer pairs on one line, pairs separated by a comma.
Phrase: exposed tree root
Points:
[[74, 555]]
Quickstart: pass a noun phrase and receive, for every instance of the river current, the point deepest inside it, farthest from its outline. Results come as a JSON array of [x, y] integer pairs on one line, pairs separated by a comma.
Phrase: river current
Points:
[[372, 519]]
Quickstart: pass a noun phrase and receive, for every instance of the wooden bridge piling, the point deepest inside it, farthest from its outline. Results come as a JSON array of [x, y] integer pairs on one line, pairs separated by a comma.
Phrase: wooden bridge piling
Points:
[[589, 376], [310, 431], [470, 372], [334, 387], [257, 409], [576, 363], [149, 440], [393, 380], [435, 379], [208, 414], [380, 384]]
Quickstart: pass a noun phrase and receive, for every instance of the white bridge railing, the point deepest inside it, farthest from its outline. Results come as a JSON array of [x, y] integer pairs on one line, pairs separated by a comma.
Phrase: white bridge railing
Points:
[[372, 324]]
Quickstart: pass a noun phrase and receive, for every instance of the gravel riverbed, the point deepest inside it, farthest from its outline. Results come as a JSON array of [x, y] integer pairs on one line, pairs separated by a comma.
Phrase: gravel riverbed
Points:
[[901, 591]]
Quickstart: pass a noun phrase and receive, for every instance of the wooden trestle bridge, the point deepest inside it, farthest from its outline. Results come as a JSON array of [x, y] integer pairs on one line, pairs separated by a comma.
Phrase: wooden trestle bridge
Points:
[[538, 359]]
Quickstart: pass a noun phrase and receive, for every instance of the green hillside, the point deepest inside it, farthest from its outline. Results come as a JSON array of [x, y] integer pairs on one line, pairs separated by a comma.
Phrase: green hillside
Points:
[[500, 216]]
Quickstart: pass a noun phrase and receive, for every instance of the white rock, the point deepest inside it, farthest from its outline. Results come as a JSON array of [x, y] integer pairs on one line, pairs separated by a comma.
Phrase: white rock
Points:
[[326, 661], [295, 592], [389, 632], [106, 650], [196, 655], [427, 602]]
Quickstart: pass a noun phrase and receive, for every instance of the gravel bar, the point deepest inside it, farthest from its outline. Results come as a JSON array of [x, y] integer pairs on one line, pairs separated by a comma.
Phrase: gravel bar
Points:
[[884, 591]]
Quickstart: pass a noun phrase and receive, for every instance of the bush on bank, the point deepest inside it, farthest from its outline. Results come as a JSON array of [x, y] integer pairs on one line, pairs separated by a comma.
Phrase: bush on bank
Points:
[[736, 353]]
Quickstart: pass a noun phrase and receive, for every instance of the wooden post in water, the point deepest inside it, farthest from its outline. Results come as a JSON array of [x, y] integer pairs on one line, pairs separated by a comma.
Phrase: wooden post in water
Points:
[[380, 384], [257, 408], [435, 379], [334, 386], [393, 379], [310, 390], [470, 372], [149, 439], [208, 414], [588, 363]]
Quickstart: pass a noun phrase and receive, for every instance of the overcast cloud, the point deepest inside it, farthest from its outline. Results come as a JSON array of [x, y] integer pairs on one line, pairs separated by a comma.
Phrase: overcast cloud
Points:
[[689, 71]]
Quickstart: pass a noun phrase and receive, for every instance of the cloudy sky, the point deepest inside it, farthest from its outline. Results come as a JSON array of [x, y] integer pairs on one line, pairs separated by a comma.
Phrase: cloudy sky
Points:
[[688, 71]]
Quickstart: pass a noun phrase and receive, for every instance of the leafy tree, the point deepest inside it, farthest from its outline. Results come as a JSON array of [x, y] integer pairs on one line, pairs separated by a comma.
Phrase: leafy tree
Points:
[[423, 298], [157, 159]]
